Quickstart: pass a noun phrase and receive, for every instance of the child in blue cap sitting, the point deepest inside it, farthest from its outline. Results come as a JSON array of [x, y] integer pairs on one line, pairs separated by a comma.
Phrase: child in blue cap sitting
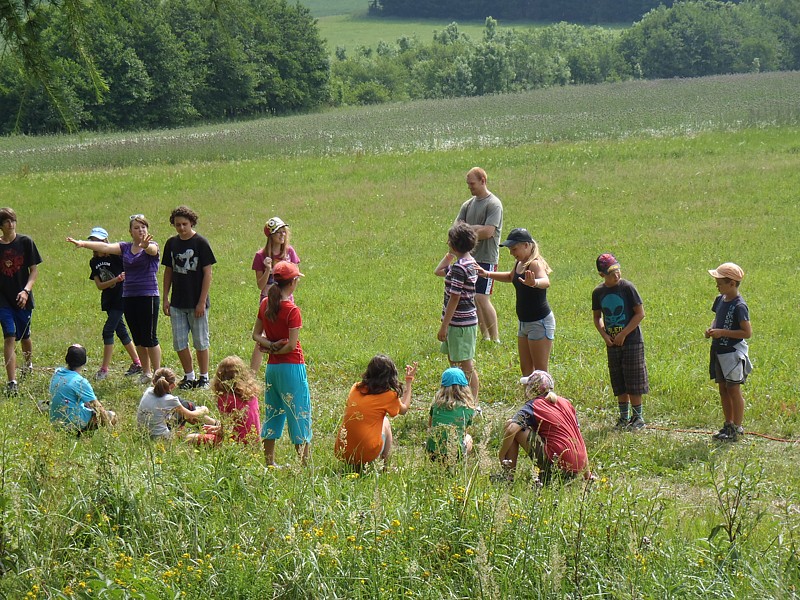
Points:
[[452, 411]]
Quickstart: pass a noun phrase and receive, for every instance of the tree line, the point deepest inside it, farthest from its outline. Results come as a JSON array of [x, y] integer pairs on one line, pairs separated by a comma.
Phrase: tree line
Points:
[[573, 11], [689, 39], [138, 64]]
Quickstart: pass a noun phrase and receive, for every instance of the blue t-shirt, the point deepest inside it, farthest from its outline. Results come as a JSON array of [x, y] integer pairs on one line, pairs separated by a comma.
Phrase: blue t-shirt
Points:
[[69, 394]]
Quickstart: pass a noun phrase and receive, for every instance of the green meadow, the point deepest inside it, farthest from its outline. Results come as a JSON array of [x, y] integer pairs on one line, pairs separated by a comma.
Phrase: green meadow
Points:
[[674, 177], [346, 23]]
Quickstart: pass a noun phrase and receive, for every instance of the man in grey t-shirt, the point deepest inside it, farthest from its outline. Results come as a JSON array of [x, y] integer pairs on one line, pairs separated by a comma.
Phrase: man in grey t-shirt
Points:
[[484, 212]]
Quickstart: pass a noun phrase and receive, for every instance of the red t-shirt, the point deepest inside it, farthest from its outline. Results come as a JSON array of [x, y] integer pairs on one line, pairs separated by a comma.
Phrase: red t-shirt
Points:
[[359, 440], [288, 318], [558, 428]]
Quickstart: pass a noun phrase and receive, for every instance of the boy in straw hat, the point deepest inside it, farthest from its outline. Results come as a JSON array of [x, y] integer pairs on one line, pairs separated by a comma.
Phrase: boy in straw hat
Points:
[[729, 365]]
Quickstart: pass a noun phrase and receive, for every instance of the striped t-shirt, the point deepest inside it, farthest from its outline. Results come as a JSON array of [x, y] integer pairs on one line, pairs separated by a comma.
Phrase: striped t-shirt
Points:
[[461, 278]]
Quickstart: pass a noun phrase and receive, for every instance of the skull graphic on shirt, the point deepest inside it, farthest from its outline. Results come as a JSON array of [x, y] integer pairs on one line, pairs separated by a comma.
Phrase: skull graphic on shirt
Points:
[[613, 313]]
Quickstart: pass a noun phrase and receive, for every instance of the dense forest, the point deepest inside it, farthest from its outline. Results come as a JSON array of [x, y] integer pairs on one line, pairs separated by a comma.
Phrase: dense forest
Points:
[[139, 64], [574, 11], [689, 39]]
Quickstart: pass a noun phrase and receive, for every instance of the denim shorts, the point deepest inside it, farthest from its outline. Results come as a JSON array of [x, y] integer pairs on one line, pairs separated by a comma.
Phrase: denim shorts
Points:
[[537, 330]]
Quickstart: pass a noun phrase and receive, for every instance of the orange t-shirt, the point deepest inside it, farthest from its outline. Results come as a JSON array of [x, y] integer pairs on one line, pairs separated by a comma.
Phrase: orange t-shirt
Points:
[[359, 440]]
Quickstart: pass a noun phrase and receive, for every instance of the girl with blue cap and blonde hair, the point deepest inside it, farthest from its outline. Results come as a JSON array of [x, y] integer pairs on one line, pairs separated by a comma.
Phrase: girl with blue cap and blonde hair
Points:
[[451, 413]]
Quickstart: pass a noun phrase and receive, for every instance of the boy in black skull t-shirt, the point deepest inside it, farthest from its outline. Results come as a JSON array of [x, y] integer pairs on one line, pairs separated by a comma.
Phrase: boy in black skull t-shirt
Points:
[[617, 309]]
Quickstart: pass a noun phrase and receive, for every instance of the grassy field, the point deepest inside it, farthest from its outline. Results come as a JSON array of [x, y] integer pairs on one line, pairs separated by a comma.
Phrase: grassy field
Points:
[[674, 177], [346, 23]]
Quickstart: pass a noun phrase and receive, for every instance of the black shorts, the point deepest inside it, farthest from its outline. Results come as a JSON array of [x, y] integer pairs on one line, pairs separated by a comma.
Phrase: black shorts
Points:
[[141, 314], [484, 285]]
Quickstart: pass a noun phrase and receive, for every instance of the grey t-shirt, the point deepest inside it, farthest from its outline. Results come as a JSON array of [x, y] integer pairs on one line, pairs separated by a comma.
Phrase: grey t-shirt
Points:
[[153, 412], [484, 211]]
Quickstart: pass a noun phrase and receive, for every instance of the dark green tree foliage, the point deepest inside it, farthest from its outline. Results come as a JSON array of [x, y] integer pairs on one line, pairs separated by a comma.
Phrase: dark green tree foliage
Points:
[[701, 38], [690, 39], [574, 11], [167, 63]]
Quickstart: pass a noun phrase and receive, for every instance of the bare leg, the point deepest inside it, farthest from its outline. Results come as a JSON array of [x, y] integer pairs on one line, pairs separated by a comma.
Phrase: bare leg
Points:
[[509, 450], [185, 356], [256, 359], [269, 452], [10, 355], [108, 352], [525, 356], [467, 443], [132, 351], [155, 357], [540, 353], [27, 351], [203, 357], [636, 399], [737, 403], [144, 356], [386, 432], [468, 366], [487, 316], [727, 402], [304, 452]]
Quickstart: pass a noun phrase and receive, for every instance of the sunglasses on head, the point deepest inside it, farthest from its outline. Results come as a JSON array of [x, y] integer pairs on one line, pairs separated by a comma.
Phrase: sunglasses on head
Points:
[[137, 217]]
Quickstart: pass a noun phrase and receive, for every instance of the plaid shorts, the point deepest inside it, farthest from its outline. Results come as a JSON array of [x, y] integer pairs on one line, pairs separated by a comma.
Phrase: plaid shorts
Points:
[[183, 321], [627, 369]]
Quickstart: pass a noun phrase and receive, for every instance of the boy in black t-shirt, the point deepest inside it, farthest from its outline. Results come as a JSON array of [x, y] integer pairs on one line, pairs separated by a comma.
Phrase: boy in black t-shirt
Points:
[[19, 260], [188, 259], [618, 310], [729, 364]]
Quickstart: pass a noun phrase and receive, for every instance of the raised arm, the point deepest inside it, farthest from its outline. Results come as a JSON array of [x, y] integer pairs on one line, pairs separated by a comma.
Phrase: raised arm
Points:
[[97, 246], [405, 401]]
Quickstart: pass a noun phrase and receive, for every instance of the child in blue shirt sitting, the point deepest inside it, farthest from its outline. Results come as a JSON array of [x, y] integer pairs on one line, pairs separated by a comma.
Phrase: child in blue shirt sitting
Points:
[[73, 404]]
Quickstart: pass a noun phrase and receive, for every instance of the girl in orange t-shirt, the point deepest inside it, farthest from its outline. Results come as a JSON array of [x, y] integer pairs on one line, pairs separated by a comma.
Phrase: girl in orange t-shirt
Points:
[[366, 433]]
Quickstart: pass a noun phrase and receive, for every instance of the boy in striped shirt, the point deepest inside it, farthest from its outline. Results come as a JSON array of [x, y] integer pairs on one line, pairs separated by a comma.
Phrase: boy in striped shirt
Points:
[[459, 330]]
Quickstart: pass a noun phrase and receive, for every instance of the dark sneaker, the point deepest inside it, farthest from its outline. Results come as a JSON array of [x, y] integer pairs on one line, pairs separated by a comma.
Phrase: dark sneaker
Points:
[[26, 370], [621, 424], [187, 384], [722, 434], [133, 370], [12, 389], [201, 383], [636, 424]]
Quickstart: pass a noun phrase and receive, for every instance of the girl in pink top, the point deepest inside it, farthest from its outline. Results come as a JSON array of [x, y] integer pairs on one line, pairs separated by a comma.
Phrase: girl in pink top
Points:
[[237, 391], [274, 251]]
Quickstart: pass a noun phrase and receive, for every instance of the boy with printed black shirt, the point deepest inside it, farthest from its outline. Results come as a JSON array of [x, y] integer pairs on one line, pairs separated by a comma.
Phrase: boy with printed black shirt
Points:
[[188, 261], [730, 364], [617, 311], [19, 260]]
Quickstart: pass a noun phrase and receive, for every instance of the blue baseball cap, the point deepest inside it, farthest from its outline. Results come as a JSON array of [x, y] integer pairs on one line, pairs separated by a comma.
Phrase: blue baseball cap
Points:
[[454, 376], [98, 233]]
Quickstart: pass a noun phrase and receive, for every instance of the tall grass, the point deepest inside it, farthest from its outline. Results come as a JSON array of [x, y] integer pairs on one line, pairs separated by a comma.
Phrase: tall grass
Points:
[[638, 108], [671, 514]]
